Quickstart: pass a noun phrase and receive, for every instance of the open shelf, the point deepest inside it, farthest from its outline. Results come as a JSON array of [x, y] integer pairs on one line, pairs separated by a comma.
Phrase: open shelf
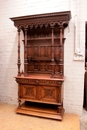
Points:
[[39, 109], [43, 38]]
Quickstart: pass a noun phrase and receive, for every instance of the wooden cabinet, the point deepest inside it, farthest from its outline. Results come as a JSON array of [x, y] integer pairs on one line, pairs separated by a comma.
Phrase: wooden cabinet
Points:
[[40, 85]]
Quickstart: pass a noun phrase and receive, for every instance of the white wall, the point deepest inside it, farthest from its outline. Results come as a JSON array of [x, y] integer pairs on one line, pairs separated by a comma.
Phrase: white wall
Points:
[[74, 69], [74, 63]]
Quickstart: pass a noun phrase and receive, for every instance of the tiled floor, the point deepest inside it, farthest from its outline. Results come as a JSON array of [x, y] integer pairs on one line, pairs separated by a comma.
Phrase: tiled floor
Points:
[[9, 120]]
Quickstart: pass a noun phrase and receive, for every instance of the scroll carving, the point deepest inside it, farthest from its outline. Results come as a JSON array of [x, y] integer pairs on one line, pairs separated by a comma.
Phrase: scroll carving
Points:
[[43, 23], [42, 82]]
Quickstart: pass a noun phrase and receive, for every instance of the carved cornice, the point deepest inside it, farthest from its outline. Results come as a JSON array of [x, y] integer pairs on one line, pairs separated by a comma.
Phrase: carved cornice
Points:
[[52, 19]]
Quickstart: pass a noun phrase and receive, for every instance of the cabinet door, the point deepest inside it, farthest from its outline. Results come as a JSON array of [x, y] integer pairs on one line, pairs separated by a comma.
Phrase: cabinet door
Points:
[[50, 94], [28, 91]]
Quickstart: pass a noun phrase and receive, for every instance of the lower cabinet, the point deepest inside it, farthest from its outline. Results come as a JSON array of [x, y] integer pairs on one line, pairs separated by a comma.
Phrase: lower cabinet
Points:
[[41, 93], [41, 98]]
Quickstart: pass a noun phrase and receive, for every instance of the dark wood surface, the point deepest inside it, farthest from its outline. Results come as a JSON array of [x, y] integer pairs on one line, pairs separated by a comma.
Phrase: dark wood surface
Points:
[[85, 75], [85, 90], [40, 85]]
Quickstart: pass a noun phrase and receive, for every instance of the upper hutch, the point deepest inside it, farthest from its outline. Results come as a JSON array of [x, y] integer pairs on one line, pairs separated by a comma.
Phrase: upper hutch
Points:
[[40, 89]]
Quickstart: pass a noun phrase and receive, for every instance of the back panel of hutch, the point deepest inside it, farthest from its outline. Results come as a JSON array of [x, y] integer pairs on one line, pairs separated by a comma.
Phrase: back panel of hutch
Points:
[[40, 89]]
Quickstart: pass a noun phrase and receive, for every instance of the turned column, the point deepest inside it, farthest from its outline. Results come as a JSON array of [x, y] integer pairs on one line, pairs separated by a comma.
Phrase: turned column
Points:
[[25, 52], [52, 59], [19, 61], [52, 44], [61, 51]]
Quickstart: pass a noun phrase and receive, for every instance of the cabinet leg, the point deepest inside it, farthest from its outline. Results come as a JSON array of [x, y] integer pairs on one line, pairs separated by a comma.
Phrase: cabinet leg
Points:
[[60, 109], [19, 101]]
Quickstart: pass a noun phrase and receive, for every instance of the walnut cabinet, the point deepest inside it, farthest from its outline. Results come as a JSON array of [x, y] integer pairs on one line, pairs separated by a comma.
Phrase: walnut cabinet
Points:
[[40, 84]]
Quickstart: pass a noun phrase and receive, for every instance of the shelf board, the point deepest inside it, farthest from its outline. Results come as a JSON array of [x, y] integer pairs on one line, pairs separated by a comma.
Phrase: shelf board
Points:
[[39, 101], [43, 38], [40, 77], [39, 38], [40, 110]]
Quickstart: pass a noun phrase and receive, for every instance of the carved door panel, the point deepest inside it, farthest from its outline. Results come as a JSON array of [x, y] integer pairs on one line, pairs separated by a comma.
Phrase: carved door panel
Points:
[[29, 91], [49, 93]]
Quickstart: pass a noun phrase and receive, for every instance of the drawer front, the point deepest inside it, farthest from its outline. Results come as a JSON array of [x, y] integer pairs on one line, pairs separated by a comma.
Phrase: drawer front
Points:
[[39, 82], [28, 91]]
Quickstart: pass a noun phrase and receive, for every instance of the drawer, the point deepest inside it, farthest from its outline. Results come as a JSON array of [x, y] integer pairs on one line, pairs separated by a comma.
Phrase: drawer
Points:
[[39, 82]]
